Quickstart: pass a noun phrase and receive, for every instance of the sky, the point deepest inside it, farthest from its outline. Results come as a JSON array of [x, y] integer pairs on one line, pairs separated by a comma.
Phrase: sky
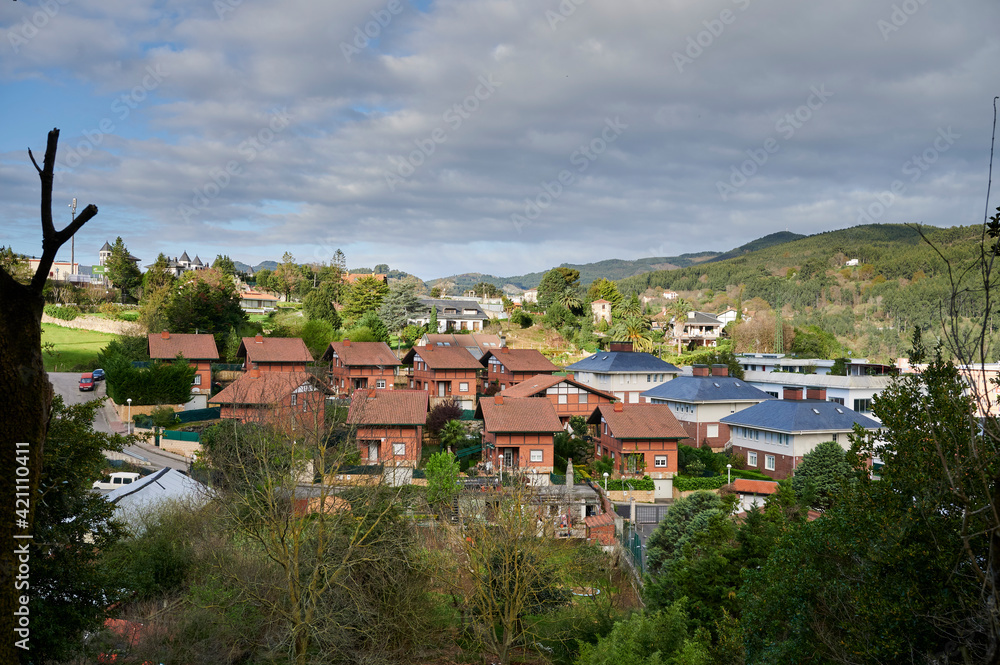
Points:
[[494, 136]]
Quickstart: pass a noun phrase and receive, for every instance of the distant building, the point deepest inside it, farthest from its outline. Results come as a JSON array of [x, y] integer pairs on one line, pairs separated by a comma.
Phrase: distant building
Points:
[[177, 266], [452, 315], [601, 310]]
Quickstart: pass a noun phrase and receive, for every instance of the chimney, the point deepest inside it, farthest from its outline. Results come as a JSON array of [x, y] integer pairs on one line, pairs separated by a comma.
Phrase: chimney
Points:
[[619, 407], [347, 342], [165, 335], [789, 392], [498, 399], [720, 370], [816, 393], [255, 373], [504, 349], [699, 370], [690, 315], [259, 339]]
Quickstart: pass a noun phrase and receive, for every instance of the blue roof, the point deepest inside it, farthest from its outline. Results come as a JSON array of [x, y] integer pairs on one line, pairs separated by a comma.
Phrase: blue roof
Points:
[[800, 415], [707, 389], [622, 361]]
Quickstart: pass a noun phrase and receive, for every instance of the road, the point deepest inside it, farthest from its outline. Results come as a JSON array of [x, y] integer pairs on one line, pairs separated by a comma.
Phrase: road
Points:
[[106, 420]]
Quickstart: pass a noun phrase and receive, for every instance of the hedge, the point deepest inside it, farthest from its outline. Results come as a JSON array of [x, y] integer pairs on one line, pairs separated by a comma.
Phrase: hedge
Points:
[[64, 312], [629, 484], [750, 475], [687, 483]]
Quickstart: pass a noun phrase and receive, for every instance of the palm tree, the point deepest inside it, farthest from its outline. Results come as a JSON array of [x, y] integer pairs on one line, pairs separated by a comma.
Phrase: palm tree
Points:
[[570, 299], [629, 308], [635, 329]]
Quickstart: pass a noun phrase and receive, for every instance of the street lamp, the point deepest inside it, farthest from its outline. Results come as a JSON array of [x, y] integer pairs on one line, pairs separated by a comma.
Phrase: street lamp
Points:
[[129, 430], [729, 474], [605, 482]]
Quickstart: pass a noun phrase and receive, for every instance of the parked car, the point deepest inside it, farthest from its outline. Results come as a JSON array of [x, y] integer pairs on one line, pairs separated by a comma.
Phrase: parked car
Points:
[[87, 381], [98, 374], [116, 480]]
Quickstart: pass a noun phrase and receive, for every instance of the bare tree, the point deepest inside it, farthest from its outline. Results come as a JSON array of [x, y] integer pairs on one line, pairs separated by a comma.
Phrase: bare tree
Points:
[[24, 419]]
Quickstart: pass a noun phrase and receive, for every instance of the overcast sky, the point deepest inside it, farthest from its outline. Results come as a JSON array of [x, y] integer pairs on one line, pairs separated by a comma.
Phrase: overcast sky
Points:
[[497, 136]]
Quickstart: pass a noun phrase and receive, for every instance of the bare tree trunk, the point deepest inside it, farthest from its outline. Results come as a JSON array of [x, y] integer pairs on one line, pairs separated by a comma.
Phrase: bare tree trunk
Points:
[[24, 419]]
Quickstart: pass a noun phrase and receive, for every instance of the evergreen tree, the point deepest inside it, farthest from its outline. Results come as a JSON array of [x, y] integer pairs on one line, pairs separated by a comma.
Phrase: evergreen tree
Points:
[[122, 271]]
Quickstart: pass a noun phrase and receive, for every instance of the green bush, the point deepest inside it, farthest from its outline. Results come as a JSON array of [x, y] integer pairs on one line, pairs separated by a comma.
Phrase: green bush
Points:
[[629, 484], [63, 312], [129, 316], [110, 310], [687, 483], [163, 416]]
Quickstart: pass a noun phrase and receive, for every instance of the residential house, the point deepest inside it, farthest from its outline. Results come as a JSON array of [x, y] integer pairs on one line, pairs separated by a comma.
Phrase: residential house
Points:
[[752, 493], [531, 295], [452, 315], [389, 425], [256, 301], [983, 384], [507, 367], [356, 365], [274, 354], [700, 401], [640, 439], [475, 343], [699, 329], [624, 374], [775, 434], [352, 277], [100, 270], [199, 350], [779, 362], [60, 271], [671, 295], [568, 396], [601, 311], [135, 502], [177, 266], [729, 315], [294, 402], [445, 372], [518, 434]]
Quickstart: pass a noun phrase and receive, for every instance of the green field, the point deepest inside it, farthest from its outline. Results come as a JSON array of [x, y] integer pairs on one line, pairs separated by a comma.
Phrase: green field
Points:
[[75, 350]]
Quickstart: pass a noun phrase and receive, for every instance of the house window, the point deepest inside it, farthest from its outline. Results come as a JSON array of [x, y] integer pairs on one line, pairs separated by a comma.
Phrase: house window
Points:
[[463, 387], [712, 431], [295, 399], [563, 399], [583, 398], [649, 378], [380, 383], [751, 458], [503, 369], [197, 379], [837, 400], [399, 449], [372, 446], [660, 461], [536, 455], [863, 405], [769, 462]]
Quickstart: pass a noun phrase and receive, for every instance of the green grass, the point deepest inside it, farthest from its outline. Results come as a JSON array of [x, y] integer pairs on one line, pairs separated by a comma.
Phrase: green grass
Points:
[[75, 350]]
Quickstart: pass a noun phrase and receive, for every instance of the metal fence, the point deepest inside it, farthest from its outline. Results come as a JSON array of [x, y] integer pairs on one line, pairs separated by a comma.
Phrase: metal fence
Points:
[[179, 436], [632, 544], [650, 514], [191, 416]]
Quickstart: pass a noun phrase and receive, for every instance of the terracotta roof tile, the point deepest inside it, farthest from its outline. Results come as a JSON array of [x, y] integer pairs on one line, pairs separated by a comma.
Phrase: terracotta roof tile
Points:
[[443, 357], [388, 407], [265, 388], [513, 414], [537, 385], [604, 519], [748, 486], [194, 347], [639, 421], [274, 350], [354, 354], [521, 360]]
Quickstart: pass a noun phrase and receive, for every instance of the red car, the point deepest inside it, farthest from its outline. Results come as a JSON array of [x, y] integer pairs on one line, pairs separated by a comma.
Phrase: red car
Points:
[[87, 381]]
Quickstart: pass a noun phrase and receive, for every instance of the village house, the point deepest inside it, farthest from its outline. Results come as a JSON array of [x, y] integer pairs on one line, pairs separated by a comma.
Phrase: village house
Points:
[[700, 401], [698, 329], [518, 435], [389, 425], [568, 396], [274, 354], [640, 439], [356, 365], [198, 349], [256, 301], [507, 367], [601, 311], [622, 372], [444, 372], [774, 435], [451, 315], [476, 344], [294, 402]]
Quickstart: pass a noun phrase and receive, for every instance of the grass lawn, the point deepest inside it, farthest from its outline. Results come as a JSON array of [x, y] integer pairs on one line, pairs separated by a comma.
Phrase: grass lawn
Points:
[[75, 350]]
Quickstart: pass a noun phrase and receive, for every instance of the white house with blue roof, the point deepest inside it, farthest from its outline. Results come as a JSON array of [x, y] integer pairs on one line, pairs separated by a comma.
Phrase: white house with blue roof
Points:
[[622, 372], [702, 400], [775, 434]]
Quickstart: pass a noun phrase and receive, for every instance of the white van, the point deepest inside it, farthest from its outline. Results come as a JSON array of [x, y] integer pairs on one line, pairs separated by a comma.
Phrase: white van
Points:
[[116, 480]]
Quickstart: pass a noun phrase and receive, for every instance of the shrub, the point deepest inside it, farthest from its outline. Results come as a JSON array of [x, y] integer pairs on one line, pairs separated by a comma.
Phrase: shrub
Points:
[[64, 312], [110, 310], [163, 416], [441, 414], [629, 484], [129, 316], [686, 483]]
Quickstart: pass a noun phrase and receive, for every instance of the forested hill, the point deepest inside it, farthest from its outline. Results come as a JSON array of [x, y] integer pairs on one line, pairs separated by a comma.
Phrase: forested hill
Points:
[[899, 278]]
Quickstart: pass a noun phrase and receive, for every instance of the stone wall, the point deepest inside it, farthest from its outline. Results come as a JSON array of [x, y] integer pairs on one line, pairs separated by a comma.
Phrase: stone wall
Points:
[[97, 324]]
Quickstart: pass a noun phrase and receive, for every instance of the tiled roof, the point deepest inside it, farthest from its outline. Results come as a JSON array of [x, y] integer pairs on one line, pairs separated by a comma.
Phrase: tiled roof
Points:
[[194, 347], [604, 519], [512, 414], [256, 295], [520, 360], [707, 389], [799, 415], [274, 350], [388, 407], [622, 361], [639, 421], [537, 385], [264, 388], [366, 354], [747, 486], [442, 357], [475, 343], [352, 277]]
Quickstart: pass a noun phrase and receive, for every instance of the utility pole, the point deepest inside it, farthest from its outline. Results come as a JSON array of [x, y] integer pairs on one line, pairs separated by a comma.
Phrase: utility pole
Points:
[[72, 241]]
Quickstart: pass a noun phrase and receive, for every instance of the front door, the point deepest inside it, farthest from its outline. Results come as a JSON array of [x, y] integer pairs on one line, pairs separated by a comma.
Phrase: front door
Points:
[[441, 387], [508, 458], [373, 451]]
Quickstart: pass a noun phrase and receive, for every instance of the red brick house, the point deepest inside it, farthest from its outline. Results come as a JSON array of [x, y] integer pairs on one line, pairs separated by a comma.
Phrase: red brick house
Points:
[[294, 402], [274, 354], [568, 396], [198, 350], [641, 439], [507, 367], [445, 372], [389, 425], [356, 365], [517, 434]]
